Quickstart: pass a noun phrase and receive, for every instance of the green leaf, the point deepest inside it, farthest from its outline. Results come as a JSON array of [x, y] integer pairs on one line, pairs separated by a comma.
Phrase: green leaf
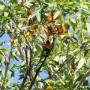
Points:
[[4, 50], [21, 77], [81, 63], [38, 16], [2, 7], [14, 57], [1, 58], [16, 66], [12, 73], [1, 33], [88, 63], [13, 1]]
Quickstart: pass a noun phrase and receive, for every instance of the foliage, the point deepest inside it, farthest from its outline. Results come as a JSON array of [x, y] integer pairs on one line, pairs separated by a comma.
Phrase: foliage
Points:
[[46, 36]]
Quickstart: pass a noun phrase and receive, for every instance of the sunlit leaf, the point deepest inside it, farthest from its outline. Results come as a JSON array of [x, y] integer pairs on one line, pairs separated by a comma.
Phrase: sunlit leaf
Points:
[[81, 63]]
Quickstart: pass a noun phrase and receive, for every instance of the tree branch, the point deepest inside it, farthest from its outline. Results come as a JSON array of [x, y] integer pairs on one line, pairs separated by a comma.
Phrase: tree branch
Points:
[[38, 70], [30, 64]]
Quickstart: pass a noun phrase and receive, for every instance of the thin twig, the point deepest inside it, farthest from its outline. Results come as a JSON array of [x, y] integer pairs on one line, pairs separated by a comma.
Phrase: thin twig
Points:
[[30, 64], [26, 54], [25, 77], [21, 54]]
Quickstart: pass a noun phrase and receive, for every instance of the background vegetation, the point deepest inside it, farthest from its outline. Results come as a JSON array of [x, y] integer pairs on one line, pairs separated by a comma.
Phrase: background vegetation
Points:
[[46, 36]]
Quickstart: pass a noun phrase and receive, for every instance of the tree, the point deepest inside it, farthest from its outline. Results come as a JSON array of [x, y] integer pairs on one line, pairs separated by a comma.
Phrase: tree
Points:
[[50, 36]]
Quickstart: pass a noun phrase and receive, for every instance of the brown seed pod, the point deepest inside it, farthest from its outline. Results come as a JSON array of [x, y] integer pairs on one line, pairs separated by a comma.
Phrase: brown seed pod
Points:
[[47, 45], [50, 31], [49, 17], [49, 88], [61, 29], [29, 11], [34, 26]]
